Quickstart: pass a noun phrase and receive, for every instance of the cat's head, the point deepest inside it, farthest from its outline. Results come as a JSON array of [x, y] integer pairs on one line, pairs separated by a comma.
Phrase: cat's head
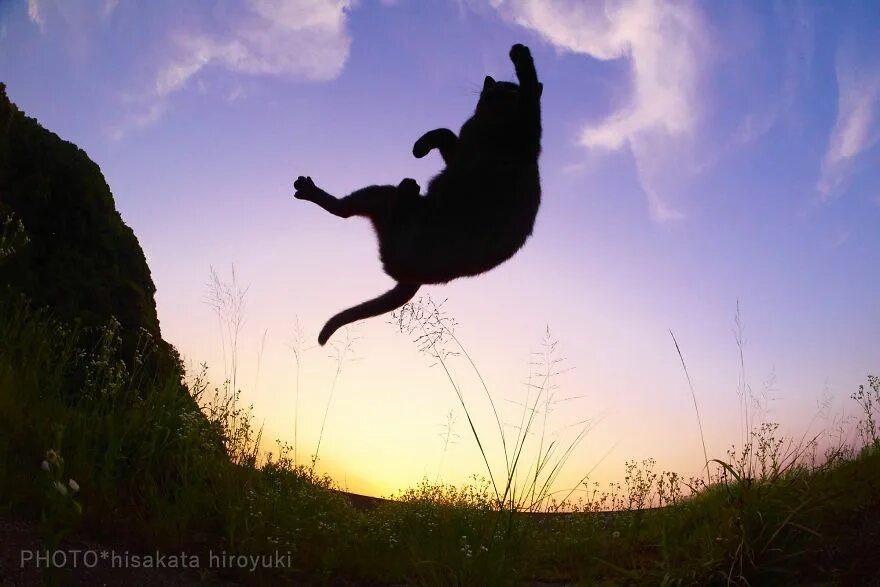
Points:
[[499, 102]]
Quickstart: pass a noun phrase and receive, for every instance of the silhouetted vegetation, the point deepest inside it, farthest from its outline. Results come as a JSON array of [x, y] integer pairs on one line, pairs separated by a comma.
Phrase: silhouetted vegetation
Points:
[[74, 253], [163, 470]]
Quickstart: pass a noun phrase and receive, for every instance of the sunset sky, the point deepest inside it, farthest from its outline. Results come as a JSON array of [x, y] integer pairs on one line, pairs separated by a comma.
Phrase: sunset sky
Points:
[[694, 155]]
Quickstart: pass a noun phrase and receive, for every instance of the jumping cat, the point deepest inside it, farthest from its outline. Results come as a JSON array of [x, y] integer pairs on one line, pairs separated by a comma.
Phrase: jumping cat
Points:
[[477, 212]]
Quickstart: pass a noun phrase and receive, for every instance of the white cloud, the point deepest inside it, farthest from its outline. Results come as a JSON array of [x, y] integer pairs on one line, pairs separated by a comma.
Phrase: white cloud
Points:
[[304, 39], [855, 129], [76, 24], [664, 44], [142, 117], [300, 39], [36, 14]]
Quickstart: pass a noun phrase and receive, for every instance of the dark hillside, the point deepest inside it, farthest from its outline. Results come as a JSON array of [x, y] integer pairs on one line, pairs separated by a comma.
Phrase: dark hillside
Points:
[[81, 260]]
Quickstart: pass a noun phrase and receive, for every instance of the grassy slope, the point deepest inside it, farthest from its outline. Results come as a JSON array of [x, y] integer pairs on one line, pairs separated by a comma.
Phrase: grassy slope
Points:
[[167, 474]]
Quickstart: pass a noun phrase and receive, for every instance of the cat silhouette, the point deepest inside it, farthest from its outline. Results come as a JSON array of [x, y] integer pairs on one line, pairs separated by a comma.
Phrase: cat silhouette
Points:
[[476, 213]]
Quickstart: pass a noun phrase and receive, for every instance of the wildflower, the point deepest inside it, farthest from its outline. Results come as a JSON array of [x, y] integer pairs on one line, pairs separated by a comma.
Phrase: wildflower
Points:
[[45, 466], [74, 486], [465, 547], [62, 489], [615, 534], [51, 456]]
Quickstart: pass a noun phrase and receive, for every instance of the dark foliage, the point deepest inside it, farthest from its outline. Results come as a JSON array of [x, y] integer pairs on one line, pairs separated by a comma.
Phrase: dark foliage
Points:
[[81, 260]]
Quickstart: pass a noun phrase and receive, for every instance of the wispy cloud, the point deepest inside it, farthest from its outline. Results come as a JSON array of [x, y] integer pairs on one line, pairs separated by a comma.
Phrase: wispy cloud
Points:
[[142, 117], [36, 14], [77, 24], [109, 7], [306, 39], [300, 39], [839, 238], [663, 42], [792, 42], [855, 129]]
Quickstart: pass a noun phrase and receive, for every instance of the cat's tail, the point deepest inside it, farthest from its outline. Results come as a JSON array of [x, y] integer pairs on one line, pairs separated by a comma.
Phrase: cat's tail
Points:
[[388, 301]]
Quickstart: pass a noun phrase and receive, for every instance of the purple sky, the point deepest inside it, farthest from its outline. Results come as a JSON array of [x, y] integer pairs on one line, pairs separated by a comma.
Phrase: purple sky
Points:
[[694, 154]]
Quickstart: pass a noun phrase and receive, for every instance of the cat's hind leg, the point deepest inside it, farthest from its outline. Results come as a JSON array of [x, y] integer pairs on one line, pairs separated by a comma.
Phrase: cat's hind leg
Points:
[[378, 202], [408, 188], [442, 139]]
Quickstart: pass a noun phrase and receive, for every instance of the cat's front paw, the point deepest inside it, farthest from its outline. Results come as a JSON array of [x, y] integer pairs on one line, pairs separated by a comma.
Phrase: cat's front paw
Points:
[[520, 53], [304, 186]]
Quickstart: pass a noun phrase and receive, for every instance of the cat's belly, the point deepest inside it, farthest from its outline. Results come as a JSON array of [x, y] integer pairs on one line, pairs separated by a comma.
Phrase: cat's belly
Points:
[[444, 258], [439, 240]]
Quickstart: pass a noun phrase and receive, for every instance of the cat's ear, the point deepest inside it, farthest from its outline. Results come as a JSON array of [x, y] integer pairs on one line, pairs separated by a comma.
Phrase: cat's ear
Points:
[[488, 82]]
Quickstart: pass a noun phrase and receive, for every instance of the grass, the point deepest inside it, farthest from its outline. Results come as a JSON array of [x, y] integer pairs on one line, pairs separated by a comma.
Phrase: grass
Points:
[[170, 466], [521, 485]]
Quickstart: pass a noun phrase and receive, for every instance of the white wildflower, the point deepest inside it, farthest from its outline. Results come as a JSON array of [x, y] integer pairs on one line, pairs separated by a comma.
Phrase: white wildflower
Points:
[[74, 486], [45, 466]]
